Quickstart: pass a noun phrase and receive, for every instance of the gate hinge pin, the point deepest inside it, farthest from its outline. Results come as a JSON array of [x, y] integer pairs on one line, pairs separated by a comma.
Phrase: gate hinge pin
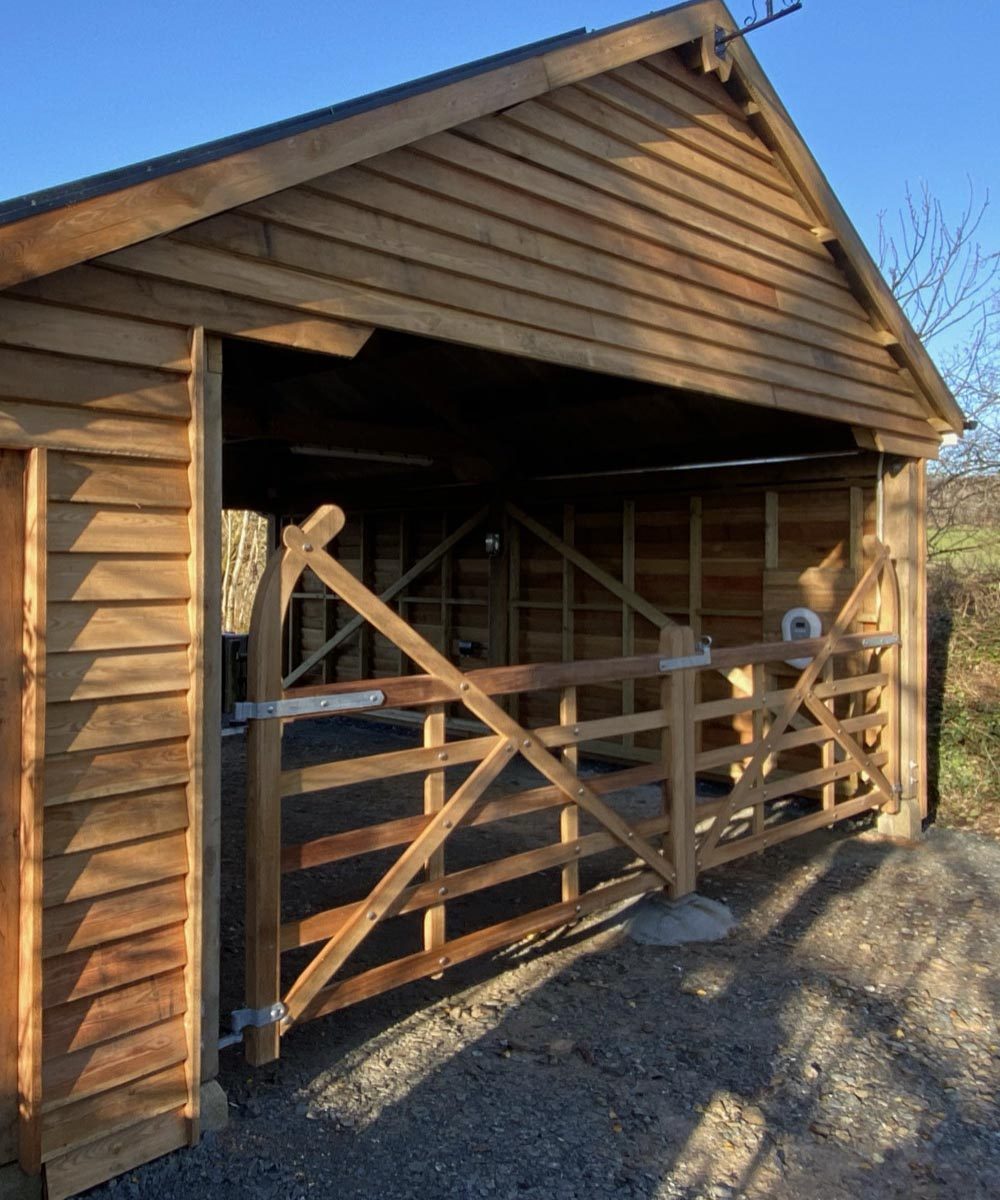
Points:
[[252, 1018]]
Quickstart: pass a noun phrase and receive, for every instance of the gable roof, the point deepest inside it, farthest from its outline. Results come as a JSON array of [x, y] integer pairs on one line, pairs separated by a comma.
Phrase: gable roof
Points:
[[56, 228]]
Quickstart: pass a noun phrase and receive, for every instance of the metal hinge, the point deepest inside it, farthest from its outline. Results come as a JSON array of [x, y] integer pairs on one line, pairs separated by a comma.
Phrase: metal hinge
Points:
[[702, 659], [301, 706], [252, 1018]]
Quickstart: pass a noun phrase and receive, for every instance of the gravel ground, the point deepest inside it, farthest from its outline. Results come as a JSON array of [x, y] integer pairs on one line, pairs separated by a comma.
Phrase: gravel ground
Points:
[[842, 1042]]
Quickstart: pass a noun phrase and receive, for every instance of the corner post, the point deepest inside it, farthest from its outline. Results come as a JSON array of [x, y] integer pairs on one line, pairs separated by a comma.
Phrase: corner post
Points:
[[905, 533], [28, 969]]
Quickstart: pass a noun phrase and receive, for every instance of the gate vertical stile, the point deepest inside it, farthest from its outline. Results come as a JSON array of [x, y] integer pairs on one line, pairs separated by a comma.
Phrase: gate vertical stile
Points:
[[569, 815], [435, 786], [263, 816], [761, 721], [264, 792], [889, 619], [677, 692]]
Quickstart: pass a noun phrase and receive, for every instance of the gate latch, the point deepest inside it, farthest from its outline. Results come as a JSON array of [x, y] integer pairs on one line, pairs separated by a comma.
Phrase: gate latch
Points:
[[302, 706], [702, 659], [252, 1018]]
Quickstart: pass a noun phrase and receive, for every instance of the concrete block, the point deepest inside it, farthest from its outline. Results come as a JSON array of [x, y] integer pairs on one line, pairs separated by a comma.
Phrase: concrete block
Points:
[[905, 824], [659, 921], [214, 1107]]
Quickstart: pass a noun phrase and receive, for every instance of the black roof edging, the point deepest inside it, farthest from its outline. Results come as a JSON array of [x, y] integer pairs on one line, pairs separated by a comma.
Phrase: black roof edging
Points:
[[90, 186], [64, 194]]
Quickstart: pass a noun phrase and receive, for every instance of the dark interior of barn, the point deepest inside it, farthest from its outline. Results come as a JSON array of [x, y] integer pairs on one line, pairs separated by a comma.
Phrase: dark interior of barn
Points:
[[411, 416]]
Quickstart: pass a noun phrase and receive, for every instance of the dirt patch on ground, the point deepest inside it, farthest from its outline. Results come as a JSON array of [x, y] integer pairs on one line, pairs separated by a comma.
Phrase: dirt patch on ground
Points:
[[841, 1042]]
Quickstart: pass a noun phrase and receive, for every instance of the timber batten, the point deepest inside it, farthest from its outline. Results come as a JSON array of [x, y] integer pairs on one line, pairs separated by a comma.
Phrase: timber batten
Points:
[[521, 300]]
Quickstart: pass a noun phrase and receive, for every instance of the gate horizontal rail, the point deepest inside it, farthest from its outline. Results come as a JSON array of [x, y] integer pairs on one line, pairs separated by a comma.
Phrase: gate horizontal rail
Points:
[[829, 736], [412, 691]]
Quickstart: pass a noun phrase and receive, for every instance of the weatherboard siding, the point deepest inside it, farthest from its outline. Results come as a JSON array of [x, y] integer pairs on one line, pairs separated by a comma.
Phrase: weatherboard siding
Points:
[[108, 397], [633, 224]]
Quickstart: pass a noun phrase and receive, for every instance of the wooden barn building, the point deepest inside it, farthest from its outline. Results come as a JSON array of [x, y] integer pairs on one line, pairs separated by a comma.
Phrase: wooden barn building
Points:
[[589, 355]]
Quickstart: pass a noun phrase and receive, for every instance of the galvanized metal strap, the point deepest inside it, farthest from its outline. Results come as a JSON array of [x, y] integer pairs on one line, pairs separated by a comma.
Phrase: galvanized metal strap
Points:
[[688, 661], [302, 706]]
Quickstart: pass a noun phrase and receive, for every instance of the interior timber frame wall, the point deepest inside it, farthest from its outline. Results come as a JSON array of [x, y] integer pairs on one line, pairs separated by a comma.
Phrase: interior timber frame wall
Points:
[[726, 552]]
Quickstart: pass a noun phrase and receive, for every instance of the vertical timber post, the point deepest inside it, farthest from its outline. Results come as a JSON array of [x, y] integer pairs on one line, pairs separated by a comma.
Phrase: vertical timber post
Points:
[[12, 571], [434, 798], [905, 533], [677, 700], [569, 815], [204, 708], [205, 695], [498, 612], [28, 970]]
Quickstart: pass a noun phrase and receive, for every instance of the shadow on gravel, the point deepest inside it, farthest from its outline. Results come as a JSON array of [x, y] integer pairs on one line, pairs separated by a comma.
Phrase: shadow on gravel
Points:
[[825, 1049], [746, 1067]]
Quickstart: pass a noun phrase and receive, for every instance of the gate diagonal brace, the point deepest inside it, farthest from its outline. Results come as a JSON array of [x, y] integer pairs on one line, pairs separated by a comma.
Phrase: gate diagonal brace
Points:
[[799, 695], [527, 743]]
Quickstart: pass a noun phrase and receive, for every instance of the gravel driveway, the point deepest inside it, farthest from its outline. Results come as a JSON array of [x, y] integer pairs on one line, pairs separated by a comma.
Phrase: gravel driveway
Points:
[[842, 1042]]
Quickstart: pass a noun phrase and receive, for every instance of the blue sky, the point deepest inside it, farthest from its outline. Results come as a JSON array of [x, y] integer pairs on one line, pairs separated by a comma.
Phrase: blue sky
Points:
[[885, 91]]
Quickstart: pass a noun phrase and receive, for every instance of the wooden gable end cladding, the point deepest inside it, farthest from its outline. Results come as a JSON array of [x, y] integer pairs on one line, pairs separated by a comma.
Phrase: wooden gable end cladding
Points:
[[632, 223]]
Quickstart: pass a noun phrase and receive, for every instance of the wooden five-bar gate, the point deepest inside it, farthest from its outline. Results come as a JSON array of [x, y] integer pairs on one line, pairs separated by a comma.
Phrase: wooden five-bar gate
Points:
[[842, 708]]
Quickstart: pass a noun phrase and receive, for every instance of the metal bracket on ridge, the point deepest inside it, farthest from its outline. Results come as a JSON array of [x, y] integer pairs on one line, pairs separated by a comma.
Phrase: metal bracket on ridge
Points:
[[303, 706]]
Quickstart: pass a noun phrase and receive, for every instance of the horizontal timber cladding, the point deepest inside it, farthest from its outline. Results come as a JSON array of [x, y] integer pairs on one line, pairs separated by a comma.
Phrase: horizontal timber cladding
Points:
[[628, 224], [108, 396], [116, 802]]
